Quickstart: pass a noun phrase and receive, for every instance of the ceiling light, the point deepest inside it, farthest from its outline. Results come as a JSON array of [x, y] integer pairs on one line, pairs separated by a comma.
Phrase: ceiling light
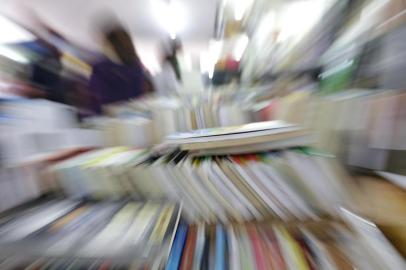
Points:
[[11, 32], [266, 26], [215, 49], [13, 55], [170, 15], [299, 17], [240, 7], [207, 65], [204, 62], [240, 47]]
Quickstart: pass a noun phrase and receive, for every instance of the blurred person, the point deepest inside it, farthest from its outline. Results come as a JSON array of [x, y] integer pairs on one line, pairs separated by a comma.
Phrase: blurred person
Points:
[[42, 76], [120, 75], [168, 80], [171, 57], [45, 68]]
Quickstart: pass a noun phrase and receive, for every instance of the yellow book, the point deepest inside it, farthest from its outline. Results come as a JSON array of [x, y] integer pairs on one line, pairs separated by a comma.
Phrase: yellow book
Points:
[[110, 152], [294, 257], [141, 223], [162, 224]]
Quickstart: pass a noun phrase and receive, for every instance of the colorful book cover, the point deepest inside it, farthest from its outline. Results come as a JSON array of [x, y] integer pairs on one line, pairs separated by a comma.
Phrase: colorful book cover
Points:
[[199, 250], [220, 263], [177, 248], [257, 248], [189, 250]]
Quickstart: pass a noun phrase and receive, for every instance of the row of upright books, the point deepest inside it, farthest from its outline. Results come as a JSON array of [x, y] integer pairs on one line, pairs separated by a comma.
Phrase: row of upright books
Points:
[[65, 234], [248, 210], [285, 184], [55, 231], [153, 118], [305, 246], [293, 184]]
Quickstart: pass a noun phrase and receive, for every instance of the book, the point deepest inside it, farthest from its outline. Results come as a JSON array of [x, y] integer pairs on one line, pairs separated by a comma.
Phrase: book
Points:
[[248, 128], [260, 133], [261, 263], [291, 250], [221, 251], [233, 249], [189, 250], [177, 248], [200, 244]]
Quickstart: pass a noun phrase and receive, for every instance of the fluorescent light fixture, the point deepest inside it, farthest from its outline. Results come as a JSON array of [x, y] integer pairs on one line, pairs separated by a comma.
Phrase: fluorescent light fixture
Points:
[[211, 71], [13, 55], [240, 47], [11, 32], [299, 17], [266, 26], [267, 23], [209, 59], [149, 58], [205, 63], [215, 49], [240, 7], [170, 15]]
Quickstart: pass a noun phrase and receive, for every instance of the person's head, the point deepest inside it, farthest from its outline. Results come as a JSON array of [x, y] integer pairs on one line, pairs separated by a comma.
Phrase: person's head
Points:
[[119, 42], [169, 49]]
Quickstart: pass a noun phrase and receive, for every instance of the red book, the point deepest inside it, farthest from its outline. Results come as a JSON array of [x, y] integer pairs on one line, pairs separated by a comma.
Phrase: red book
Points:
[[275, 253], [256, 246], [189, 251]]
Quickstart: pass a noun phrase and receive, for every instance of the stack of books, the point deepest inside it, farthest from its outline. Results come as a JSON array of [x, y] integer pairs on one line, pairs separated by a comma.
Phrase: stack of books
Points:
[[96, 173], [18, 185], [119, 232], [249, 138]]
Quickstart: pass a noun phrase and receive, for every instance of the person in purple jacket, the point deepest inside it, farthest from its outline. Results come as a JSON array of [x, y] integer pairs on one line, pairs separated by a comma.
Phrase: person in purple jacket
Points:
[[119, 76]]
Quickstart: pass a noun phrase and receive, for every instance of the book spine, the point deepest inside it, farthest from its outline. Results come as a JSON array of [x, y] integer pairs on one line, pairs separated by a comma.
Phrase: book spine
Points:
[[177, 248]]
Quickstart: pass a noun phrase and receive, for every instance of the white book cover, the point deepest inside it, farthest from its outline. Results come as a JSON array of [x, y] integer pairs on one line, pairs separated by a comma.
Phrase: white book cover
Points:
[[186, 196], [233, 249], [239, 211], [267, 186], [232, 188], [311, 175], [224, 207], [210, 200], [198, 192], [294, 197], [30, 224], [322, 256]]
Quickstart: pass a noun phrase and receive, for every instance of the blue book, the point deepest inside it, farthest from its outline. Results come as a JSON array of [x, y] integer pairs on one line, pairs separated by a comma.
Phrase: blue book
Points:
[[177, 248], [220, 263]]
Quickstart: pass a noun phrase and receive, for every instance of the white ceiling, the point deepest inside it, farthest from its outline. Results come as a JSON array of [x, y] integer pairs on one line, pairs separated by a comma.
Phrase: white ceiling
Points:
[[78, 20]]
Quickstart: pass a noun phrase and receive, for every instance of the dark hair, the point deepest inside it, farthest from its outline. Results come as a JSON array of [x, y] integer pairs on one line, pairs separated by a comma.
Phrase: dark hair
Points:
[[122, 44]]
